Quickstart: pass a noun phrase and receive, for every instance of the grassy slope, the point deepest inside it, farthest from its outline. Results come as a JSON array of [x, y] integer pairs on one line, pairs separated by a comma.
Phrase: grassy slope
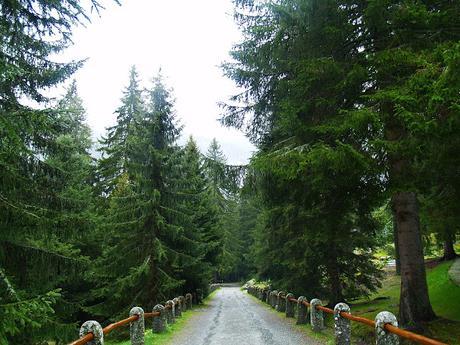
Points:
[[444, 296], [163, 338]]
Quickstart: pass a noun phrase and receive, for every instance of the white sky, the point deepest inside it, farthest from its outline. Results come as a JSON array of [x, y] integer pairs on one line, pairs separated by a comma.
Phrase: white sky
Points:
[[187, 39]]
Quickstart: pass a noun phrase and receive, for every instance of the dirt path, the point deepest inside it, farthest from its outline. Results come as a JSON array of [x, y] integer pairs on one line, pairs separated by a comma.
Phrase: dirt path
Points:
[[234, 318]]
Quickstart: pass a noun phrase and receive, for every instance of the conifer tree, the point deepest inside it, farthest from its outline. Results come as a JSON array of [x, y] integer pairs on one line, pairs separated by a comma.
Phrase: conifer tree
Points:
[[32, 33]]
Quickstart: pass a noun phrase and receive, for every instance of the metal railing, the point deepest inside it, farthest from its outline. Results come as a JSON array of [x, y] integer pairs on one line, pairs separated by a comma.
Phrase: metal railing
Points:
[[92, 331]]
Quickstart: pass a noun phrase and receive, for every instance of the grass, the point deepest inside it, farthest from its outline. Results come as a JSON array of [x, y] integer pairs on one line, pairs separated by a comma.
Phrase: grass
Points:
[[444, 296], [165, 337]]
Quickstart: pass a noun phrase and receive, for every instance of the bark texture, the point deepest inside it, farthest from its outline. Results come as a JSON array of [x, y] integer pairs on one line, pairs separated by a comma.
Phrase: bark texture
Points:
[[414, 305]]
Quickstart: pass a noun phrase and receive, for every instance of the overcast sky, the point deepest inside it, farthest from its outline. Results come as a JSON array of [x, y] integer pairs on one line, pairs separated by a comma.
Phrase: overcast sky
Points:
[[187, 39]]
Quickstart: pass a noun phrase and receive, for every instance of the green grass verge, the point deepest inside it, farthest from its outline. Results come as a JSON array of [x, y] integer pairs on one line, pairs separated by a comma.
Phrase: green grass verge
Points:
[[444, 296], [165, 337]]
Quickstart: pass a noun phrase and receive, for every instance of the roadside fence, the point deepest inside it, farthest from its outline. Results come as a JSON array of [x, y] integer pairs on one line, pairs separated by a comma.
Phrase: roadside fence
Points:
[[385, 324]]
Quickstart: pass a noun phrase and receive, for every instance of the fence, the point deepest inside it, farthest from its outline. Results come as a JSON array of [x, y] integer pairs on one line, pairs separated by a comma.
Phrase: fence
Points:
[[92, 333], [385, 324]]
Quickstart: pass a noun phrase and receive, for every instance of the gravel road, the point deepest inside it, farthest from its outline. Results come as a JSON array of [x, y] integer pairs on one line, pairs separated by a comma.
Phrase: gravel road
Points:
[[234, 318]]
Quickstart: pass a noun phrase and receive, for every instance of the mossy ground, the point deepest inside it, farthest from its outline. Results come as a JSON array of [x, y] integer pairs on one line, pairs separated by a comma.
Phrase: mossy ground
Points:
[[165, 337], [444, 296]]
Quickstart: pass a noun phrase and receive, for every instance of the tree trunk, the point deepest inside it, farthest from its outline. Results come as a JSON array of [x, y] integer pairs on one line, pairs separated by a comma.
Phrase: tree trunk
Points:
[[414, 304], [449, 251], [336, 295], [396, 242]]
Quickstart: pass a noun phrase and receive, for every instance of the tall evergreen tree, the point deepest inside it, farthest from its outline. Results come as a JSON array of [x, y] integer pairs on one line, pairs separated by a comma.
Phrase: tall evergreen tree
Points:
[[32, 33], [115, 147], [299, 63]]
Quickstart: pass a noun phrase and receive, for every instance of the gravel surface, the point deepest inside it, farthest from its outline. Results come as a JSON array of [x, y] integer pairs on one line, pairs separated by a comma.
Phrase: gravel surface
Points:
[[232, 317]]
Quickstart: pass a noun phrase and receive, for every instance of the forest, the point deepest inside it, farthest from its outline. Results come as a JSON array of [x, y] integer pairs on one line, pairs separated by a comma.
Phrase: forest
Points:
[[353, 106]]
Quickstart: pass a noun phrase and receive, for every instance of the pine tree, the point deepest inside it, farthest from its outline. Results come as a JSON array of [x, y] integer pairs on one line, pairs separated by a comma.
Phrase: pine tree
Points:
[[115, 149], [300, 65], [32, 33], [142, 220]]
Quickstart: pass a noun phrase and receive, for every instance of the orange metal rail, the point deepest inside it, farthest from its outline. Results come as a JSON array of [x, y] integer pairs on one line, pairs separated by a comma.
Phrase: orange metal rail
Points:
[[388, 327]]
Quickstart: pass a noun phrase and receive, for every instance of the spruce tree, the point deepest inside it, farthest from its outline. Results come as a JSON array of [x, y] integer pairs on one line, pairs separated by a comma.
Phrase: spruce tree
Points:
[[32, 33]]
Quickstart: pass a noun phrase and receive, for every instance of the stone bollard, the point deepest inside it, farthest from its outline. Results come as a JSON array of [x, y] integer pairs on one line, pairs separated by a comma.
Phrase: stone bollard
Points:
[[302, 315], [342, 325], [95, 328], [382, 337], [290, 305], [177, 308], [273, 299], [137, 328], [268, 296], [199, 296], [183, 306], [189, 300], [281, 302], [316, 315], [159, 324], [169, 306]]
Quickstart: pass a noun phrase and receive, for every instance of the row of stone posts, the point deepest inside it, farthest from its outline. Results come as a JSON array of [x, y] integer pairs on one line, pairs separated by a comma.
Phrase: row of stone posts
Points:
[[286, 303], [165, 314]]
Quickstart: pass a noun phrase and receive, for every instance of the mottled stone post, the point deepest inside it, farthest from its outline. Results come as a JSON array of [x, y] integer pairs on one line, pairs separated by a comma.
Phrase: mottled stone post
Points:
[[188, 300], [342, 325], [268, 296], [159, 324], [95, 328], [316, 316], [382, 337], [137, 328], [183, 306], [199, 296], [281, 304], [290, 305], [274, 298], [177, 308], [169, 306], [301, 311]]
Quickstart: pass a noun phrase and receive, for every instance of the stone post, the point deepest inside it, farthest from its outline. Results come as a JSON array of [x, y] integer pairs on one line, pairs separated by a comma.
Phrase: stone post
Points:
[[170, 314], [281, 303], [199, 296], [189, 300], [274, 297], [382, 337], [183, 306], [137, 328], [159, 324], [268, 296], [290, 305], [95, 328], [177, 309], [342, 325], [316, 315], [301, 311]]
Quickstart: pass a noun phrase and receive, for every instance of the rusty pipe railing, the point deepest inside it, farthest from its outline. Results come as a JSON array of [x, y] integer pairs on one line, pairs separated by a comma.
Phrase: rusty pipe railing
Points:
[[387, 326], [186, 303]]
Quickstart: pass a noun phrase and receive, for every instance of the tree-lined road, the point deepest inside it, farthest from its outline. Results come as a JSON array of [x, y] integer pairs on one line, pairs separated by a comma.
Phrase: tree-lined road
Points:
[[233, 317]]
